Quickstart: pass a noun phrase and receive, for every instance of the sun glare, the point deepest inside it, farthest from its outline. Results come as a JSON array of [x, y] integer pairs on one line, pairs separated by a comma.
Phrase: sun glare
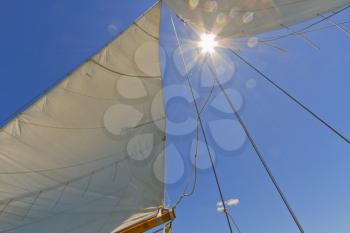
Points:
[[207, 43]]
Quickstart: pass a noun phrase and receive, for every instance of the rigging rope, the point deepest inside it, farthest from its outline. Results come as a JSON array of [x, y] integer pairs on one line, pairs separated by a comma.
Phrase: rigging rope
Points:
[[202, 128], [343, 137], [335, 24], [305, 28], [327, 27], [269, 44], [194, 166], [258, 152]]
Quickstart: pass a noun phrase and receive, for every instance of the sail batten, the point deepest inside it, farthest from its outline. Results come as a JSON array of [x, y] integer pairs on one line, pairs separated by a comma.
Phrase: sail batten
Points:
[[71, 161]]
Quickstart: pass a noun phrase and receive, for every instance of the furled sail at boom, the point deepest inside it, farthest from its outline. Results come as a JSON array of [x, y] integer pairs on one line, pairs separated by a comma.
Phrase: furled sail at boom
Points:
[[85, 157], [242, 18]]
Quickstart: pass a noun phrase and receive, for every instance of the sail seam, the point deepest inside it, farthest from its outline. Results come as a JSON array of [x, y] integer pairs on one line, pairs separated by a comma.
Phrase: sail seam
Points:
[[123, 74]]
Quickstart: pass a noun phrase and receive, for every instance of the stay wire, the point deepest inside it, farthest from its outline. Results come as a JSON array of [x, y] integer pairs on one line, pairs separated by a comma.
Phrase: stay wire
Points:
[[202, 128], [258, 152], [234, 223], [343, 137]]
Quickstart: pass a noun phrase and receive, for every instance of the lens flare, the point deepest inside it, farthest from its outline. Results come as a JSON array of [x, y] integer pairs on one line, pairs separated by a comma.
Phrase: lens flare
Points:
[[208, 43]]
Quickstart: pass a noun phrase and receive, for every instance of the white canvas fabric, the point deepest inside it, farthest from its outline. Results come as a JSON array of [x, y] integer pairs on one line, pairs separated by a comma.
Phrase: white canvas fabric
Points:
[[81, 159], [236, 18]]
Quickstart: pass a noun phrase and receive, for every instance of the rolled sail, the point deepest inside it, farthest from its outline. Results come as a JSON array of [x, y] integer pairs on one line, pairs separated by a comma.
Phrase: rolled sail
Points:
[[86, 156], [235, 18]]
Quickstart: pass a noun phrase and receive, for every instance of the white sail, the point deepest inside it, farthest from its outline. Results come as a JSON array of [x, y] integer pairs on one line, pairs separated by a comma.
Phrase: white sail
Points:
[[81, 159], [243, 18]]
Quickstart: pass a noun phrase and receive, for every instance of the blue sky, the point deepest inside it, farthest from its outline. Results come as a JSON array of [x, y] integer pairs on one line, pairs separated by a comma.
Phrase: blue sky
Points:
[[42, 41]]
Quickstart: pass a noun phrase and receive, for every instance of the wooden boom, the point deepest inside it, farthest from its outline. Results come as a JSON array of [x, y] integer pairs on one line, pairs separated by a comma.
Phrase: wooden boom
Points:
[[164, 216]]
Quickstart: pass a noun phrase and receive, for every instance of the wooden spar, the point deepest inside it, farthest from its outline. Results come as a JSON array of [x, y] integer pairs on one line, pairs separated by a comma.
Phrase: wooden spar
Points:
[[164, 216]]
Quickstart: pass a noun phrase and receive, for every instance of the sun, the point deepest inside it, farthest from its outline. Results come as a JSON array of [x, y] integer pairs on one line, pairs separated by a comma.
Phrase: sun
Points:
[[208, 43]]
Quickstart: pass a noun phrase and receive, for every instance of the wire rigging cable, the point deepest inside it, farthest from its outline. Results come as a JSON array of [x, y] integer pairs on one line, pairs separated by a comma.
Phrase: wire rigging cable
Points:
[[234, 223], [343, 137], [201, 126], [258, 152]]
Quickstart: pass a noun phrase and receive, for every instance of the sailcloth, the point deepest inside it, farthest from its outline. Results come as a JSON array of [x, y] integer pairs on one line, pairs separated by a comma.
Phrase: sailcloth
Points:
[[235, 18], [86, 156]]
